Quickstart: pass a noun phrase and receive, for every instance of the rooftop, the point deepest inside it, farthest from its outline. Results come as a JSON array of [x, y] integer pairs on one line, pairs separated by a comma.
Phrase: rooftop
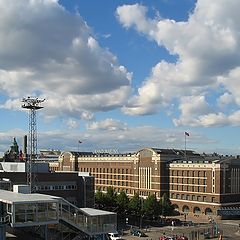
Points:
[[12, 197]]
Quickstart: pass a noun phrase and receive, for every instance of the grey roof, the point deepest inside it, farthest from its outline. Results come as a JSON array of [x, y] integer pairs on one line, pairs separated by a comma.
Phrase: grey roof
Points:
[[96, 212], [13, 197]]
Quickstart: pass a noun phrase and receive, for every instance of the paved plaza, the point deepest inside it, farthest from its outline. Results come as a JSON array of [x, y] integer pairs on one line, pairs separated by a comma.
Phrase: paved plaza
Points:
[[229, 229]]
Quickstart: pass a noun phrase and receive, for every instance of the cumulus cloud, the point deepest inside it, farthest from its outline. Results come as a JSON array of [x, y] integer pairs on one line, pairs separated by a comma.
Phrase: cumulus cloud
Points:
[[107, 124], [208, 56], [48, 52]]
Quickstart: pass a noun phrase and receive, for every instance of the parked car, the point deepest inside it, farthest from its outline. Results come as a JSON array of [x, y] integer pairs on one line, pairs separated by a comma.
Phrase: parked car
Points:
[[166, 238], [182, 238], [138, 233], [114, 236]]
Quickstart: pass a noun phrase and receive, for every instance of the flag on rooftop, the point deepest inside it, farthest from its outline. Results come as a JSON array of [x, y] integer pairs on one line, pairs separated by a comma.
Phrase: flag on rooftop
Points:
[[187, 134]]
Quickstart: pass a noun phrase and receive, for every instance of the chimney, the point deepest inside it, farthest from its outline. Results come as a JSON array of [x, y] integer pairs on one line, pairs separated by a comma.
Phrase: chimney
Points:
[[25, 147]]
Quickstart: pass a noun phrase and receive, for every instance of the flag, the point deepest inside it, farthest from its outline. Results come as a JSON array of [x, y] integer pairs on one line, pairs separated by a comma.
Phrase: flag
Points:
[[187, 134]]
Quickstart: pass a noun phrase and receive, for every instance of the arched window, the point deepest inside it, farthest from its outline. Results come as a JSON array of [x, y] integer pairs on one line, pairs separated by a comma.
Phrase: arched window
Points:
[[185, 209], [196, 210], [208, 211]]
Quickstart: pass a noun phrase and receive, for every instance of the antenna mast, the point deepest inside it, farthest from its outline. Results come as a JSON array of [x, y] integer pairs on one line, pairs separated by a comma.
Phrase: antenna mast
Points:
[[32, 104]]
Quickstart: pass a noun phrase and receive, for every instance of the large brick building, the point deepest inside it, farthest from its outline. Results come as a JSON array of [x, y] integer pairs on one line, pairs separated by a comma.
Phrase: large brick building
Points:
[[196, 184]]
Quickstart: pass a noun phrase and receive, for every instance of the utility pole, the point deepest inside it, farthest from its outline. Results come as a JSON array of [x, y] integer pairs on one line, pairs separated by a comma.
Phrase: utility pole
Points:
[[32, 104]]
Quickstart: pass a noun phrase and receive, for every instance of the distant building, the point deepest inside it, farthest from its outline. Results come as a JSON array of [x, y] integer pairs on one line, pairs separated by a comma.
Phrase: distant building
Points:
[[196, 184], [13, 154], [77, 188]]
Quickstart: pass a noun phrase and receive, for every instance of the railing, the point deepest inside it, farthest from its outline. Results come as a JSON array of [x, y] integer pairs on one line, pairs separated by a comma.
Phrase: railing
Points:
[[90, 225], [4, 220]]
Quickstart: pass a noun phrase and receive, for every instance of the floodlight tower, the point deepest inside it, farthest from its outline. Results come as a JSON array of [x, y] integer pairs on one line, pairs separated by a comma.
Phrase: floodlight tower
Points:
[[32, 104]]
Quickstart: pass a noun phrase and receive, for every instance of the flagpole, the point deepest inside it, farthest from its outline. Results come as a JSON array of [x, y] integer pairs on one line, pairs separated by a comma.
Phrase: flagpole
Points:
[[78, 144], [185, 146]]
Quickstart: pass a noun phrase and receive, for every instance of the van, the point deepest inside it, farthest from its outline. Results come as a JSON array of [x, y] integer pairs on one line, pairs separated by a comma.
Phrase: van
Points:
[[114, 236]]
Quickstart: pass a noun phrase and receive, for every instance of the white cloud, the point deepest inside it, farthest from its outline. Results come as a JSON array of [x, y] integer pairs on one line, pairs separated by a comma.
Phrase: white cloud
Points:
[[225, 99], [72, 123], [107, 124], [49, 52], [208, 56]]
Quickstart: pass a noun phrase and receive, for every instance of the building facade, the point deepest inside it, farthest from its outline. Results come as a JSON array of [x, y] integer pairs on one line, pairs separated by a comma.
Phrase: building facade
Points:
[[77, 188], [196, 184]]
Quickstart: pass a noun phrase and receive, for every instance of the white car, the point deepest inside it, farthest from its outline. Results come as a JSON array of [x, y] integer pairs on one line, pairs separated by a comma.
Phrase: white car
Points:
[[114, 236]]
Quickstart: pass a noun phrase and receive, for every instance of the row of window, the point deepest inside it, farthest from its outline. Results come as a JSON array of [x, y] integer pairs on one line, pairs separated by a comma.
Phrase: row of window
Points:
[[189, 180], [192, 188], [111, 182], [105, 176], [191, 197], [56, 187], [118, 190], [188, 173], [107, 170]]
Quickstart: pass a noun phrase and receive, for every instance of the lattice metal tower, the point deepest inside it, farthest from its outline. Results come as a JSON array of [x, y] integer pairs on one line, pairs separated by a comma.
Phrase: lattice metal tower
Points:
[[32, 104]]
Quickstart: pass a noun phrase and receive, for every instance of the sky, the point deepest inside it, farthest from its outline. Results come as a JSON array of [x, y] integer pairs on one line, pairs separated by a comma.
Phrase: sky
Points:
[[122, 75]]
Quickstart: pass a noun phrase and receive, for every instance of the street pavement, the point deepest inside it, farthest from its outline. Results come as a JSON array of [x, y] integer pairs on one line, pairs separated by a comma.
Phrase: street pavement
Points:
[[229, 229]]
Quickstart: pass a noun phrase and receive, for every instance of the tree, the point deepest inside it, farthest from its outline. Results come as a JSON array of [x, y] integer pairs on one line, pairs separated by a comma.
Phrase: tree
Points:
[[135, 205], [122, 202], [151, 207], [166, 205], [99, 199], [110, 198]]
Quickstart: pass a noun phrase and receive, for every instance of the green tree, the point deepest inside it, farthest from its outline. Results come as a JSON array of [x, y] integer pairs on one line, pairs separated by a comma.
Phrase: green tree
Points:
[[122, 202], [135, 205], [100, 199], [166, 205], [110, 198], [151, 207]]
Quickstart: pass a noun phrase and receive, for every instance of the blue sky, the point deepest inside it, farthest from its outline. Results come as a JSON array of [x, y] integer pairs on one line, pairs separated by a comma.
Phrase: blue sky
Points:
[[122, 74]]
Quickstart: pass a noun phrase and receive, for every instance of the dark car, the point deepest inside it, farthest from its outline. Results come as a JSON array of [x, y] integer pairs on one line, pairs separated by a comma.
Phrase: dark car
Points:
[[138, 233]]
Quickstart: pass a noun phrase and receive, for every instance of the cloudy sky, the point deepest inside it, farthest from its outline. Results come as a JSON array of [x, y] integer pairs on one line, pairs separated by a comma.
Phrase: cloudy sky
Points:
[[123, 74]]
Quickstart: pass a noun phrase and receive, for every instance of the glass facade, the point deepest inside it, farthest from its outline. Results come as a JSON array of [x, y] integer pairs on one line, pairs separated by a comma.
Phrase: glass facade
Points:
[[90, 224], [35, 212]]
